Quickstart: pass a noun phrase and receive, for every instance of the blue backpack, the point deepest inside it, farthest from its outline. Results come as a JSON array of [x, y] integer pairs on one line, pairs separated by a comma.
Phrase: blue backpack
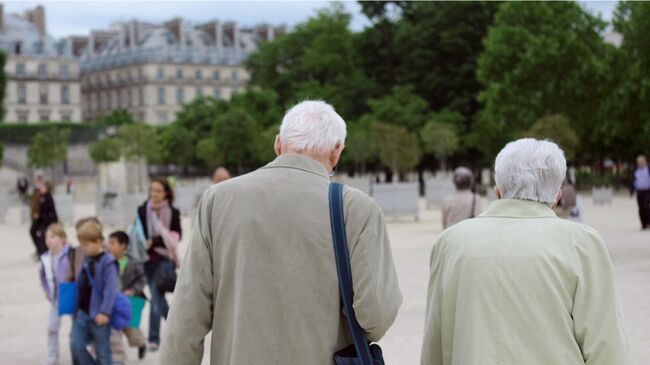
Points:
[[121, 313]]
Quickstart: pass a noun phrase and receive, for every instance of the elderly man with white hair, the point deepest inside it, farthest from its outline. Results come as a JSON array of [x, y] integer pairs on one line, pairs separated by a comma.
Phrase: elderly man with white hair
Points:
[[260, 269], [518, 285]]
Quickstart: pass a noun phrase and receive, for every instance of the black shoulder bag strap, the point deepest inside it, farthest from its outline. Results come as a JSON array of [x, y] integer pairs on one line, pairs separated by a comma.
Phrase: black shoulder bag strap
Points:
[[345, 272]]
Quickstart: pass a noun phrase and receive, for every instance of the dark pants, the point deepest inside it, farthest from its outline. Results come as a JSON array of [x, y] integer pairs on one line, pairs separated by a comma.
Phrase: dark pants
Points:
[[159, 306], [84, 332], [37, 231], [643, 198]]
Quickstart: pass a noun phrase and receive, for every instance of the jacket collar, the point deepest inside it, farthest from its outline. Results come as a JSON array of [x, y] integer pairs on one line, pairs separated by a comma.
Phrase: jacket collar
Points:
[[63, 254], [515, 208], [299, 162]]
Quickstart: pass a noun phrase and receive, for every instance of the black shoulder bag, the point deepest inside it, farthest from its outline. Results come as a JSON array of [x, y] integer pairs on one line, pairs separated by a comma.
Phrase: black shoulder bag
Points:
[[361, 353]]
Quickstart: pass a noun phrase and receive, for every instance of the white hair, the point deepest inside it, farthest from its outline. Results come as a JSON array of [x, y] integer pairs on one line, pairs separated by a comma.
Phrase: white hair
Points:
[[530, 169], [313, 126]]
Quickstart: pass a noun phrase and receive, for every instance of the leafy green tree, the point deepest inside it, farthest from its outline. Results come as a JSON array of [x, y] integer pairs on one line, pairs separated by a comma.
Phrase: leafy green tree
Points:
[[440, 43], [402, 107], [262, 105], [200, 114], [396, 147], [105, 150], [540, 58], [358, 147], [48, 148], [558, 129], [117, 118], [316, 60], [266, 144], [629, 129], [440, 137], [3, 84], [138, 141], [177, 144], [233, 141]]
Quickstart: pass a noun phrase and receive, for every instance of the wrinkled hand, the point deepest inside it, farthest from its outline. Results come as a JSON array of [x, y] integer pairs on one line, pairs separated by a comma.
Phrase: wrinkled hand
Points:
[[101, 319], [129, 292], [149, 244]]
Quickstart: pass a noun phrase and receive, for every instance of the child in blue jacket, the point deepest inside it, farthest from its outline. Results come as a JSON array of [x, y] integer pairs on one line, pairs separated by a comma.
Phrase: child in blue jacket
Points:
[[97, 286]]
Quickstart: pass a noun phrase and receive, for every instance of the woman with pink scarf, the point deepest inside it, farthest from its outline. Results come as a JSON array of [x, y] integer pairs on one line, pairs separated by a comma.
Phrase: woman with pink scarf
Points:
[[162, 228]]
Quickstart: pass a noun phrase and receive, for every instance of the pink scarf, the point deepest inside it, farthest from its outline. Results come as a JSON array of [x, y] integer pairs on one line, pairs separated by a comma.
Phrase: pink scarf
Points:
[[163, 213]]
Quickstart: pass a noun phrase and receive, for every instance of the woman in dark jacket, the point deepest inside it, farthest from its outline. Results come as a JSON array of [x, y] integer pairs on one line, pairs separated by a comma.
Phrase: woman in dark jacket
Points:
[[160, 267], [46, 215]]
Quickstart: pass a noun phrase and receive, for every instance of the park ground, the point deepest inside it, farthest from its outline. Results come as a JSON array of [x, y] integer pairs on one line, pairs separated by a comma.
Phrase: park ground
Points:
[[24, 310]]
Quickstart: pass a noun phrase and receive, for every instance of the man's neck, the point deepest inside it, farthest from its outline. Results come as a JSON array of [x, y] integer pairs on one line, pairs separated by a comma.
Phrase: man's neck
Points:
[[323, 160]]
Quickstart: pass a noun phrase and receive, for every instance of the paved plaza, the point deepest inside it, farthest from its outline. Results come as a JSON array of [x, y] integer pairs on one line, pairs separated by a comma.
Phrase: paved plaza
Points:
[[24, 310]]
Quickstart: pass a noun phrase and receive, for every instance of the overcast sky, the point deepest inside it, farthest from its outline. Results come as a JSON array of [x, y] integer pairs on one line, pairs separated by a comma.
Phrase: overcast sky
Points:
[[78, 18]]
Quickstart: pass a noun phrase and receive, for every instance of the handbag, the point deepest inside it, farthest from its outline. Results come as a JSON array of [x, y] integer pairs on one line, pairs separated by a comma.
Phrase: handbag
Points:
[[361, 353], [165, 279], [138, 243], [121, 312], [137, 305], [67, 298], [68, 290]]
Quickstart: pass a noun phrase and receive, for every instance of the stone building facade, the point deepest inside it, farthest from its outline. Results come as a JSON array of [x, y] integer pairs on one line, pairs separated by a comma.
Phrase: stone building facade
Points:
[[43, 75]]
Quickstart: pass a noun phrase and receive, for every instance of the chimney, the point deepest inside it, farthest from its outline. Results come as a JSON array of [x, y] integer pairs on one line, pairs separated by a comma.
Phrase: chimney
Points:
[[214, 30], [133, 38], [175, 26], [78, 44], [37, 17], [231, 31], [123, 40]]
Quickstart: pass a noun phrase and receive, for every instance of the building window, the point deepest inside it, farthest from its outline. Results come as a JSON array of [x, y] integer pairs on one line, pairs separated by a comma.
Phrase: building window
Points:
[[109, 101], [198, 75], [42, 71], [215, 75], [141, 96], [130, 76], [45, 118], [64, 71], [129, 99], [217, 94], [66, 117], [161, 96], [199, 92], [20, 70], [22, 94], [42, 94], [179, 74], [22, 117], [180, 96], [233, 76], [65, 94], [161, 74], [141, 74]]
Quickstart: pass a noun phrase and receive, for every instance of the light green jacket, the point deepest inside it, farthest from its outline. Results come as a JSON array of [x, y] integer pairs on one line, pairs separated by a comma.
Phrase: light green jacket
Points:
[[260, 271], [517, 285]]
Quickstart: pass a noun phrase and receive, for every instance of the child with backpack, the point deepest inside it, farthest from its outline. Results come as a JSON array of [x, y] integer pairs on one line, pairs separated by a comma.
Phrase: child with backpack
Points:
[[132, 283]]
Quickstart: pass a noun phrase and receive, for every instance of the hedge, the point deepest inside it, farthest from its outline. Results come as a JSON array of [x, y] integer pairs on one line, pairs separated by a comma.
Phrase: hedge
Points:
[[23, 133]]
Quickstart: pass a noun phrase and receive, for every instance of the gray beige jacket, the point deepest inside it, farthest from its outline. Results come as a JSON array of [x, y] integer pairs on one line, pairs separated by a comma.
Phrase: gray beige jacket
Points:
[[260, 271], [518, 285]]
